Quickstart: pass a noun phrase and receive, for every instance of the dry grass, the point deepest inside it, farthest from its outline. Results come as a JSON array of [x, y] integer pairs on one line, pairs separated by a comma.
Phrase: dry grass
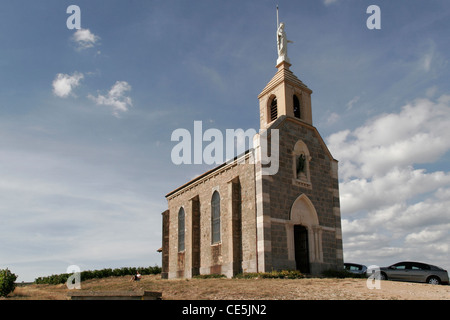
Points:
[[245, 289]]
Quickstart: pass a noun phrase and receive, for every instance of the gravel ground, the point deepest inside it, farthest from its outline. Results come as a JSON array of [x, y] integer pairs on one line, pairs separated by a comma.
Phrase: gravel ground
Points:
[[247, 289]]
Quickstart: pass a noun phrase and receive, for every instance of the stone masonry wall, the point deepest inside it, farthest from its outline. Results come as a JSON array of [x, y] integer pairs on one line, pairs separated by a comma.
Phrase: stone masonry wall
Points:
[[215, 258]]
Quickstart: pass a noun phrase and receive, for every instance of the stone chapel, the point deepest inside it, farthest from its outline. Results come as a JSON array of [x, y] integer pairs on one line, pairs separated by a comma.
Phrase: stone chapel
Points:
[[234, 218]]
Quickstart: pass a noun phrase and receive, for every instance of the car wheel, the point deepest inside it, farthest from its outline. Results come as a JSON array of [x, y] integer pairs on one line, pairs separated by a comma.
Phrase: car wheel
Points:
[[383, 276], [433, 280]]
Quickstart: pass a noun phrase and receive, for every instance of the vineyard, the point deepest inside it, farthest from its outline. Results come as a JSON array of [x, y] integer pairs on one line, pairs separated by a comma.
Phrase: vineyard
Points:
[[98, 274]]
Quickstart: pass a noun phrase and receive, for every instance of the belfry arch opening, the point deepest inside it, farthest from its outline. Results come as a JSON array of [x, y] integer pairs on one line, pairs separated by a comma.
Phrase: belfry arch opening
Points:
[[296, 110], [273, 109]]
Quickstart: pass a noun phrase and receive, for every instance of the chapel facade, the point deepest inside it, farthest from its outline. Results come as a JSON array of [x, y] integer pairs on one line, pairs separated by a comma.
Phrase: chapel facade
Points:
[[238, 218]]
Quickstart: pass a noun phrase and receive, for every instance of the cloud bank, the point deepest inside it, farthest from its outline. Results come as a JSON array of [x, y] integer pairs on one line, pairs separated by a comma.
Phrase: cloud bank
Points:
[[391, 208]]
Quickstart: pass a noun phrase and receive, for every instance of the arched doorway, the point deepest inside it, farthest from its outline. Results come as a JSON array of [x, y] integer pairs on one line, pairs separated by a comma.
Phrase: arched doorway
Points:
[[301, 248], [305, 235]]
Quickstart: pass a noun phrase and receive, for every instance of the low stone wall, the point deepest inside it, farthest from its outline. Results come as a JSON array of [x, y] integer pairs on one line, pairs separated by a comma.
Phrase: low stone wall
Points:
[[115, 295]]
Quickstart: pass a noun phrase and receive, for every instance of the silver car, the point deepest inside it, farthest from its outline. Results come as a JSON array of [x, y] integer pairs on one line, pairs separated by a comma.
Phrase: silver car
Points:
[[415, 272]]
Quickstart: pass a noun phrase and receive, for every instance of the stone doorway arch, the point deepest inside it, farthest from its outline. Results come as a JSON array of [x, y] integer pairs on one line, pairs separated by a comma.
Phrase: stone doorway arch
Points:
[[304, 222]]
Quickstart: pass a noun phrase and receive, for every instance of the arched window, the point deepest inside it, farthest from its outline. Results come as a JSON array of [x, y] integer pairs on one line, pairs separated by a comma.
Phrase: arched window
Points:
[[273, 109], [296, 107], [215, 217], [181, 232]]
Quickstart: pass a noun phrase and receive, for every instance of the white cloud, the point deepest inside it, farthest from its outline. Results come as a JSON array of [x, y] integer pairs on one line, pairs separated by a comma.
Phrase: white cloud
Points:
[[395, 186], [425, 236], [418, 134], [391, 208], [84, 38], [332, 118], [352, 102], [64, 84], [431, 60], [427, 59], [400, 232], [115, 98]]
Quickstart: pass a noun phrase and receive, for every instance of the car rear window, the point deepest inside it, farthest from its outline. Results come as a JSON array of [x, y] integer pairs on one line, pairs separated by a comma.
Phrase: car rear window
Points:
[[420, 266]]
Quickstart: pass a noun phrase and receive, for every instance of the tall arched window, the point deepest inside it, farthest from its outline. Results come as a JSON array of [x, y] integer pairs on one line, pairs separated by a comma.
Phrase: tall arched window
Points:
[[273, 109], [215, 217], [296, 107], [181, 228]]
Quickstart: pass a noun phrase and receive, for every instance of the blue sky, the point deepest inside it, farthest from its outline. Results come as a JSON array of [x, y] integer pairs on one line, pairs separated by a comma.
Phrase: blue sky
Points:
[[86, 119]]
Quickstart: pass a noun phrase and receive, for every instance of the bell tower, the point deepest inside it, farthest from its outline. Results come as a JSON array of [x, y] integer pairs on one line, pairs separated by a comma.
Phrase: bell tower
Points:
[[297, 206], [286, 95]]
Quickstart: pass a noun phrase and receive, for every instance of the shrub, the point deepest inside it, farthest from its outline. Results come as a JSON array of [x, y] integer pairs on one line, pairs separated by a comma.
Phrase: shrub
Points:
[[7, 284], [283, 274], [209, 276], [287, 274], [248, 275]]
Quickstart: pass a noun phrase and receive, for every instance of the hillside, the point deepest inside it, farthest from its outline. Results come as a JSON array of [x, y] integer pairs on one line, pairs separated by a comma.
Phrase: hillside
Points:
[[244, 289]]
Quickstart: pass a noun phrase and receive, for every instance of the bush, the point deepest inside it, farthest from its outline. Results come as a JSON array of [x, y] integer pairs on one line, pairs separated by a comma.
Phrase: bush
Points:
[[248, 275], [7, 284], [288, 274], [209, 276], [283, 274]]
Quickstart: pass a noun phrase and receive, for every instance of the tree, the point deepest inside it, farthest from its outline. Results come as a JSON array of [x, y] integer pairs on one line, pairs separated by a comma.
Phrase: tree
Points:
[[7, 284]]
